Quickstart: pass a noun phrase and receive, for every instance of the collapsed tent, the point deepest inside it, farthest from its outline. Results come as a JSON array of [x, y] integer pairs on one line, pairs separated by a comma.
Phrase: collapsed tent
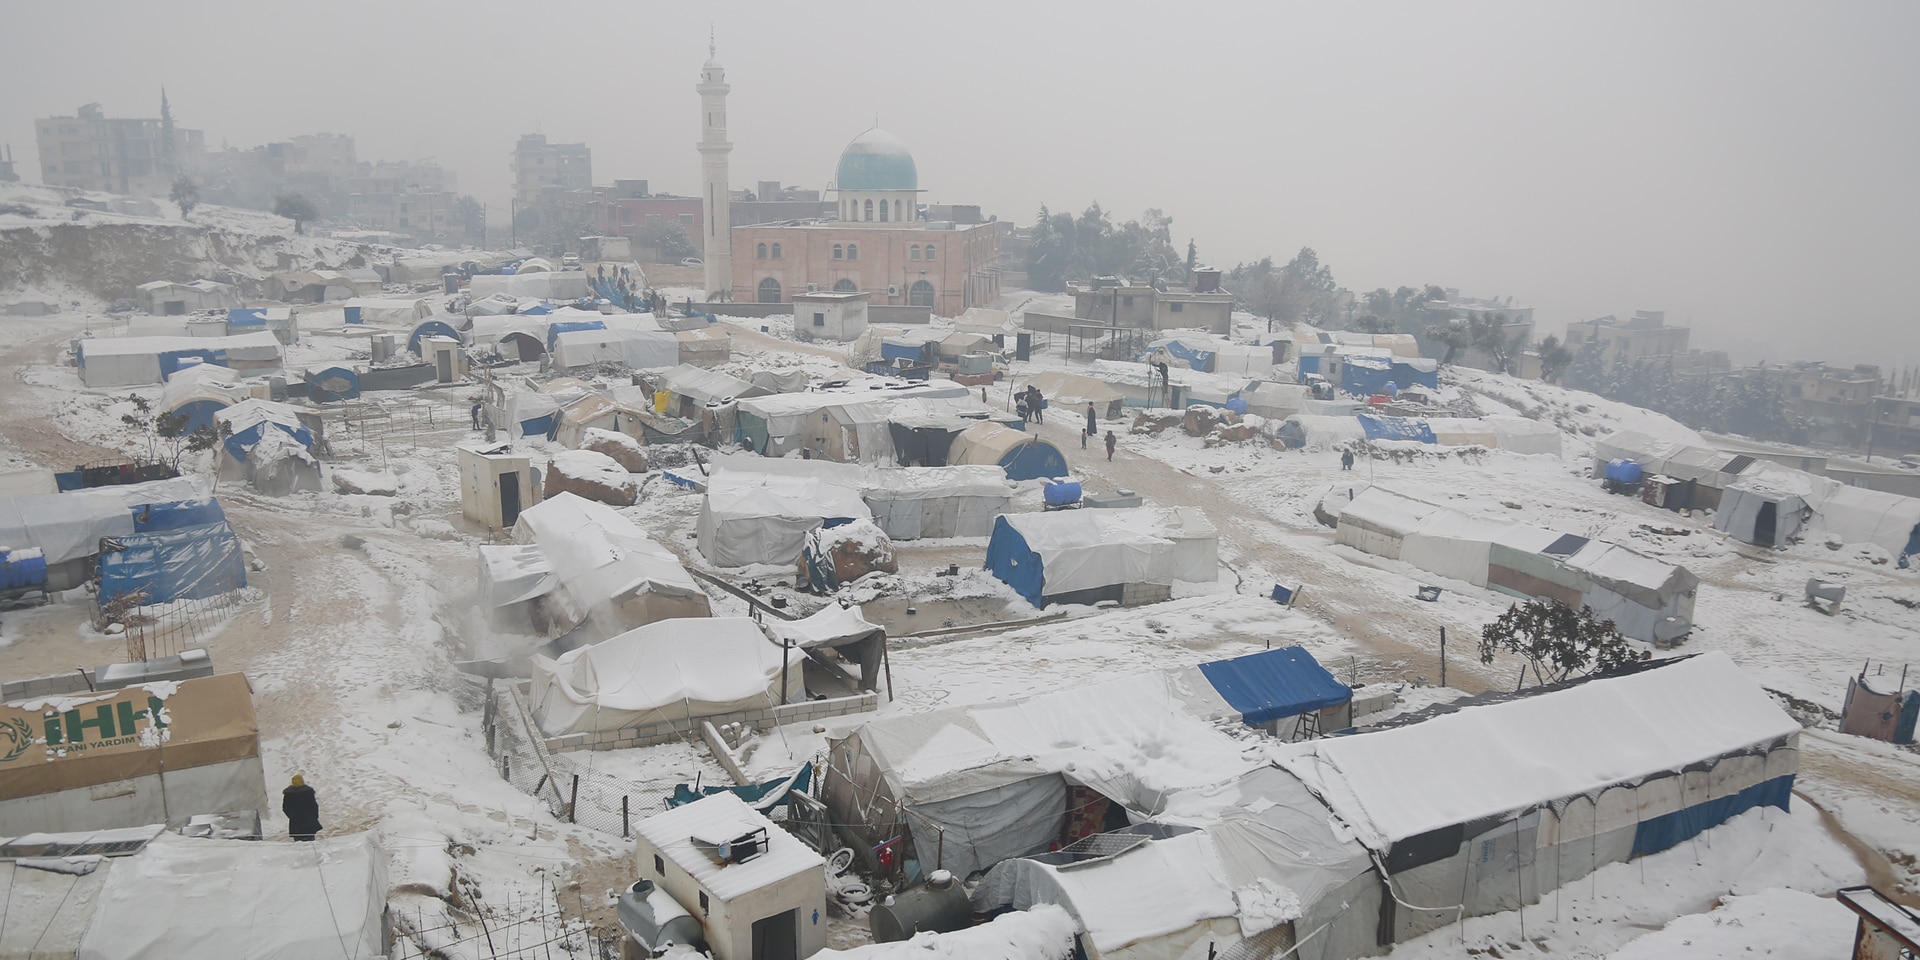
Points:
[[672, 671], [1074, 392], [923, 429], [268, 445], [1022, 455], [163, 565], [691, 388], [751, 518], [1490, 807], [604, 569], [1087, 556], [133, 361], [843, 630], [514, 584], [907, 503], [274, 900]]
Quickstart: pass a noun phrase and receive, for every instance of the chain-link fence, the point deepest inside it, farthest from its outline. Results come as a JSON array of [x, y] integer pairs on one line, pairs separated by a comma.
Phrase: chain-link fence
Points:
[[571, 792]]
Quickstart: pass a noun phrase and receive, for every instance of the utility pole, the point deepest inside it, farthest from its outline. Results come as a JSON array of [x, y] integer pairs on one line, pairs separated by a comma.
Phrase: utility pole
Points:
[[1443, 656]]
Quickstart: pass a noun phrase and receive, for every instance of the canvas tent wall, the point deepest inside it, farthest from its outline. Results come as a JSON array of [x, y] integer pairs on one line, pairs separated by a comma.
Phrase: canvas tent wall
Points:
[[634, 349], [607, 570], [842, 629], [387, 312], [704, 347], [1377, 521], [1636, 592], [907, 503], [208, 760], [1460, 547], [1086, 556], [268, 445], [1492, 806], [320, 899], [541, 285], [669, 671], [692, 388], [1072, 391], [847, 424], [133, 361], [1204, 354], [1275, 401], [197, 392], [923, 430], [1022, 455], [761, 518], [1142, 386]]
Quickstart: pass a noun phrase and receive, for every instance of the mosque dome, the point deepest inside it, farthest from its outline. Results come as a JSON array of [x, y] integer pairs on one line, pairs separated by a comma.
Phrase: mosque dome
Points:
[[876, 161]]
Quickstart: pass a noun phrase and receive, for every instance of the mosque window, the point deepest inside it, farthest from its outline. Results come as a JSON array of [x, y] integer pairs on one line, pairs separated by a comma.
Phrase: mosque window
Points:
[[776, 251], [913, 251], [883, 211], [839, 252], [869, 215], [929, 251], [844, 285], [896, 211], [853, 251], [769, 290], [760, 252]]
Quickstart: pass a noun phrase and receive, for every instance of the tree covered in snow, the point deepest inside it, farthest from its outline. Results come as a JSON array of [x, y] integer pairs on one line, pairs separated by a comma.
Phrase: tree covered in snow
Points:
[[1558, 641], [1302, 291], [168, 438], [295, 207], [186, 193]]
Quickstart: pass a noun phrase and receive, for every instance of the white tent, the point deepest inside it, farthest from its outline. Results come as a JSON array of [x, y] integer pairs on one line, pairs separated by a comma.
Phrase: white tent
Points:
[[907, 502], [1451, 544], [847, 423], [1275, 401], [539, 285], [636, 349], [1072, 391], [1306, 431], [63, 526], [1636, 592], [1141, 383], [132, 361], [669, 671], [1377, 521], [513, 582], [387, 312], [1085, 556], [605, 568], [236, 898], [698, 387], [762, 518]]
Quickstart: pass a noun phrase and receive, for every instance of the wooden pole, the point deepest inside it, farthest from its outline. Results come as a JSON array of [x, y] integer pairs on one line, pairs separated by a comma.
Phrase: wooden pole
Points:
[[1443, 656]]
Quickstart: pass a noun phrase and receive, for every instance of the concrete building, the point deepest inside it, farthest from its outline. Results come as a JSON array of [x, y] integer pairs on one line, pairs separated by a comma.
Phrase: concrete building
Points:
[[716, 224], [540, 167], [7, 174], [89, 151], [879, 242], [1121, 302], [1646, 335], [1896, 425], [830, 316]]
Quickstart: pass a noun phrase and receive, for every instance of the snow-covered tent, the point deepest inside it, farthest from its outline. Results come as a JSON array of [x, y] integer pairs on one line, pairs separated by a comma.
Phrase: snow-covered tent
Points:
[[1377, 521], [1306, 431], [180, 563], [1638, 593], [199, 391], [605, 569], [1491, 807], [1204, 354], [704, 346], [595, 411], [907, 503], [531, 414], [1517, 434], [330, 382], [1087, 556], [164, 297], [326, 898], [515, 581], [923, 430], [1275, 401], [791, 380], [431, 327], [133, 361], [387, 312], [692, 388], [1142, 386], [635, 349], [670, 671], [268, 445], [1073, 392], [763, 518], [1858, 515], [539, 285], [1451, 544], [1045, 932], [848, 424], [1022, 455]]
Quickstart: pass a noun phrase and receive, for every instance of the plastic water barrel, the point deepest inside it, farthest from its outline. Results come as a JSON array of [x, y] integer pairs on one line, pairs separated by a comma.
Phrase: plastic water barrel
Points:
[[22, 569], [1237, 405], [1059, 493]]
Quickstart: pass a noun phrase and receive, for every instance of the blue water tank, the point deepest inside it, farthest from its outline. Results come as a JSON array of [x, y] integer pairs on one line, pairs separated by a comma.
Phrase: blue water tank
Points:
[[22, 569], [1060, 493], [1237, 405]]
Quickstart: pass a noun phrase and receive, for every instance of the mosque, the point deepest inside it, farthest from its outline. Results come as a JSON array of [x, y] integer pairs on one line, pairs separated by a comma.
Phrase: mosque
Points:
[[881, 242]]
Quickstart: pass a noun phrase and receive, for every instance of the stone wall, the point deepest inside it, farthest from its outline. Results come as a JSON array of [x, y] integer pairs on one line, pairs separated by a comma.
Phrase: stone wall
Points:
[[60, 684]]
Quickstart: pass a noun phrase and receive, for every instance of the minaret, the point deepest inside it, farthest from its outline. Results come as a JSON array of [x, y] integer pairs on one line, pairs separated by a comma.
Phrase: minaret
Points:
[[713, 174]]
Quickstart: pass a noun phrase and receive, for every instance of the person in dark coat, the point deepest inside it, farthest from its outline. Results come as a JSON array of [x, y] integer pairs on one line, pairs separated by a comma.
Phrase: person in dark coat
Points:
[[1346, 459], [1038, 403], [301, 808], [1112, 441], [1093, 423]]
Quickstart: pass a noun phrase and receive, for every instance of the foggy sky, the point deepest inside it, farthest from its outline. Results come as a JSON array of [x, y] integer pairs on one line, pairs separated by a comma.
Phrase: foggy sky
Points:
[[1748, 167]]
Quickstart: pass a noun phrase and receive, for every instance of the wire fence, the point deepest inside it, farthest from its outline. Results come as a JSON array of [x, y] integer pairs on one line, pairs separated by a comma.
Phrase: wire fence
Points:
[[572, 792], [511, 928], [163, 629]]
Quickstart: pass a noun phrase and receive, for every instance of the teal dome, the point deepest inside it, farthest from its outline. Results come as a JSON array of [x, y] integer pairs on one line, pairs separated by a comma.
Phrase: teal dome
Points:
[[876, 161]]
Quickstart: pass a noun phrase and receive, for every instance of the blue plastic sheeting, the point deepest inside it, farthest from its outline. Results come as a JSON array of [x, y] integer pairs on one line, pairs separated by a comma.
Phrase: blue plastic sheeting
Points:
[[1903, 728], [1031, 461], [430, 328], [152, 517], [1201, 360], [198, 413], [242, 443], [188, 563], [1014, 563], [554, 330], [916, 352], [1370, 375], [540, 426], [353, 314], [254, 317], [333, 383], [1272, 684], [1283, 595], [170, 360], [22, 569], [1624, 471], [1237, 404], [763, 796], [1308, 363], [537, 310], [1672, 829], [1396, 428]]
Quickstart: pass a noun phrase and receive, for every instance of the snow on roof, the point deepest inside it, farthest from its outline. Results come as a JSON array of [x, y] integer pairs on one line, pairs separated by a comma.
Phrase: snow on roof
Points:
[[830, 625], [1048, 533], [597, 553], [875, 483], [738, 494], [1493, 760], [859, 391], [1073, 389], [723, 816], [1132, 897], [1041, 932], [706, 386], [1612, 562], [1385, 510], [725, 662], [152, 346], [511, 574], [253, 412]]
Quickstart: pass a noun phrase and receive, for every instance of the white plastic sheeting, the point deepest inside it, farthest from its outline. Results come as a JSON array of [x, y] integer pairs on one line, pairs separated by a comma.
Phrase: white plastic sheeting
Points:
[[390, 311], [606, 565], [239, 898], [514, 574], [671, 670], [1090, 549], [829, 626], [906, 502], [1493, 760], [1455, 545], [702, 386], [1377, 521], [763, 518], [637, 349], [1142, 386], [131, 361], [65, 526], [541, 285]]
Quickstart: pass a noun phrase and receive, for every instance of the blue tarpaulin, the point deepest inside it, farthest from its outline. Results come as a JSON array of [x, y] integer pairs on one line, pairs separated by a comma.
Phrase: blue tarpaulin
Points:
[[1014, 563], [242, 442], [1272, 684], [170, 360], [1672, 829], [333, 382], [1370, 375], [915, 352], [430, 328], [1201, 360], [167, 565], [197, 413], [249, 317], [154, 517], [554, 330], [760, 796], [1396, 428], [1031, 461]]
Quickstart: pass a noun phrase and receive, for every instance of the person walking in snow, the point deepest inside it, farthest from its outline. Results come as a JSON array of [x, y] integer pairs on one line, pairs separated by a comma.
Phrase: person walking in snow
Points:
[[1346, 459], [1093, 424], [1038, 403], [476, 414], [1112, 441], [302, 809]]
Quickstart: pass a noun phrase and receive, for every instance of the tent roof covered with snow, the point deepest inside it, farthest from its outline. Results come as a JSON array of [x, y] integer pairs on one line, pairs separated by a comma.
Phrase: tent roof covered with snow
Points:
[[669, 670], [1024, 456], [751, 518], [606, 567], [1083, 556], [703, 386]]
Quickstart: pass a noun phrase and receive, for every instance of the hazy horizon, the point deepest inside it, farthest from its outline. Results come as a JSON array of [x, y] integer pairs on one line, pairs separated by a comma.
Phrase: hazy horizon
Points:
[[1744, 167]]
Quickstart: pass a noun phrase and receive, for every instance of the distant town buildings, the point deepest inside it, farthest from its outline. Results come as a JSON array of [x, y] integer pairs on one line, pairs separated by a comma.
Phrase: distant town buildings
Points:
[[541, 169], [1120, 302], [137, 157], [1646, 335]]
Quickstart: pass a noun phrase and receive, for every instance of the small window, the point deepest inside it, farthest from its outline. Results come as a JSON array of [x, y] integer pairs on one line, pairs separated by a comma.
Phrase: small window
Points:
[[853, 251], [869, 215], [776, 251], [659, 866], [844, 285], [760, 251], [929, 251], [1176, 307], [703, 903], [883, 211], [1126, 301], [839, 252], [913, 251], [819, 319]]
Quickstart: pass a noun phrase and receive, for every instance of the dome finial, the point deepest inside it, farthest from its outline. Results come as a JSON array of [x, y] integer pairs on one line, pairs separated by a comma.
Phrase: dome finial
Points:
[[710, 49]]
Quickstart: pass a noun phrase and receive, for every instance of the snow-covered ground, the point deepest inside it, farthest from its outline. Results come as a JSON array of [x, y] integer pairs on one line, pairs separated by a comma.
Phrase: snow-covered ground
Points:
[[364, 606]]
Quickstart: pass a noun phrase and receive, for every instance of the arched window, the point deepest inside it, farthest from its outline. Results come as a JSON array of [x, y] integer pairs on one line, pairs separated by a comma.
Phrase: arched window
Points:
[[853, 251], [839, 252], [883, 211], [770, 291], [913, 251], [929, 251], [760, 251], [843, 285], [776, 251], [896, 211], [869, 210], [920, 294]]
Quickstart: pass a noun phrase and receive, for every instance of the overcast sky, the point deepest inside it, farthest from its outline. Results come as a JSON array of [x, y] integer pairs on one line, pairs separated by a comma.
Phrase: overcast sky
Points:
[[1748, 167]]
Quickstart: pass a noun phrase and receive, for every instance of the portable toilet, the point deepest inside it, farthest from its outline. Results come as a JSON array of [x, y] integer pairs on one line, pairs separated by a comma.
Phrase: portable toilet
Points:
[[448, 359]]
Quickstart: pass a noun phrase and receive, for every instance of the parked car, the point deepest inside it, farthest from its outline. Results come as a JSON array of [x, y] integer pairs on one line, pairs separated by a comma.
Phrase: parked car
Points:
[[693, 262], [570, 261]]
